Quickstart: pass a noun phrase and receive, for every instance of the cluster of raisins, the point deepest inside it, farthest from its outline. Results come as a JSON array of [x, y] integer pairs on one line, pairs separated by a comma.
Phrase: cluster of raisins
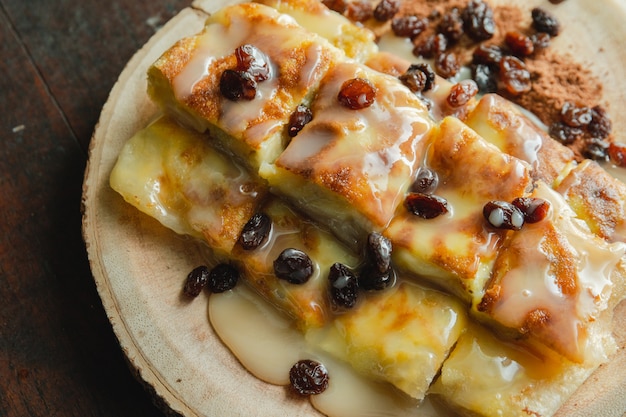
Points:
[[221, 278], [590, 125], [252, 68], [513, 216], [420, 199], [363, 10]]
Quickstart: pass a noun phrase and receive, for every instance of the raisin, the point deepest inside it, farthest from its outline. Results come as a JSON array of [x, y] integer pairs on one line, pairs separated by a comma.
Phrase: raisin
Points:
[[533, 209], [378, 251], [418, 78], [357, 93], [462, 92], [617, 154], [430, 46], [596, 149], [386, 9], [447, 65], [451, 25], [408, 26], [487, 55], [541, 40], [371, 279], [426, 206], [344, 286], [251, 60], [294, 266], [544, 22], [514, 75], [308, 377], [359, 10], [237, 85], [338, 6], [564, 133], [298, 119], [600, 125], [575, 115], [519, 44], [426, 181], [255, 231], [196, 281], [222, 278], [486, 78], [478, 20], [503, 215]]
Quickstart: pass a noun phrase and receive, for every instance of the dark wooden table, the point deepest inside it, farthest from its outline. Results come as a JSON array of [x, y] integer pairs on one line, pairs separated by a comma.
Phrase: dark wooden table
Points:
[[58, 61]]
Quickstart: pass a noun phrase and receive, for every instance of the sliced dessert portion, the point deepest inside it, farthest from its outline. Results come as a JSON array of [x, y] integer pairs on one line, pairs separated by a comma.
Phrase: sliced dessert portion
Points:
[[554, 283], [502, 123], [357, 42], [485, 376], [401, 336], [351, 165], [242, 77], [440, 233], [174, 176]]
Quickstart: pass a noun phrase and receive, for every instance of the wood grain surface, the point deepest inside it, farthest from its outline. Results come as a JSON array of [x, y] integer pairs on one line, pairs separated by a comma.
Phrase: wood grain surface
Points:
[[59, 60]]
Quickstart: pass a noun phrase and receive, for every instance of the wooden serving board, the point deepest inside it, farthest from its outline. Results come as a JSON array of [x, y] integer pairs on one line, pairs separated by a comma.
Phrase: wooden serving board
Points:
[[139, 266]]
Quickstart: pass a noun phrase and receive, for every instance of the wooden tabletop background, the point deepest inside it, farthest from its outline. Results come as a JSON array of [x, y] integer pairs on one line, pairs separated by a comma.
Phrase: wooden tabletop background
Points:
[[58, 62]]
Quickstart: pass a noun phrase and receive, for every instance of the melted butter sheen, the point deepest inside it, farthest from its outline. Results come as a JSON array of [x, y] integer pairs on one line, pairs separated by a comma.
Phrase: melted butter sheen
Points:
[[239, 316]]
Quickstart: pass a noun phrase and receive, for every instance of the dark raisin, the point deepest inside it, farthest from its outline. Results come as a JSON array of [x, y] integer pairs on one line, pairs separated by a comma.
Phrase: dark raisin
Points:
[[462, 92], [564, 133], [575, 115], [533, 209], [545, 22], [344, 286], [600, 125], [485, 77], [294, 266], [520, 44], [251, 60], [596, 149], [418, 77], [196, 281], [222, 278], [617, 154], [541, 40], [359, 10], [431, 46], [371, 279], [338, 6], [478, 20], [426, 206], [487, 55], [451, 25], [308, 377], [255, 231], [378, 251], [426, 181], [237, 85], [386, 9], [447, 65], [357, 93], [408, 26], [298, 119], [514, 75], [503, 215]]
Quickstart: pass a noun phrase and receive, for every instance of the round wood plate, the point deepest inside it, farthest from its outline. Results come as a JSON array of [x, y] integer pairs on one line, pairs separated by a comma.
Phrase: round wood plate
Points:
[[139, 266]]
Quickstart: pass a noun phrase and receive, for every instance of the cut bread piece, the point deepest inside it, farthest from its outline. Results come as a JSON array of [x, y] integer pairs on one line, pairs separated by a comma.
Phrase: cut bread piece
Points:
[[349, 169], [401, 336], [174, 176], [501, 122], [456, 250], [485, 376], [185, 80], [553, 283]]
